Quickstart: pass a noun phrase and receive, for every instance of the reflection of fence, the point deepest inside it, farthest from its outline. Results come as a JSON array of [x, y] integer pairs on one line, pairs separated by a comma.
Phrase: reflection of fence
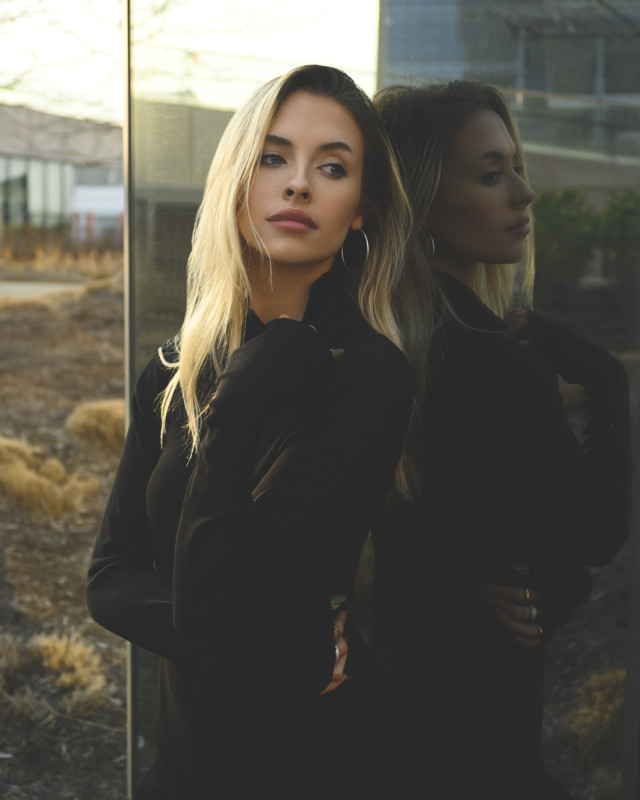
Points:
[[96, 228], [579, 122]]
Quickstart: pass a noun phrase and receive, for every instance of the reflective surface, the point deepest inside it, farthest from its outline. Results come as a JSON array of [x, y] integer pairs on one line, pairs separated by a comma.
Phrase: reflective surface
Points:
[[571, 74]]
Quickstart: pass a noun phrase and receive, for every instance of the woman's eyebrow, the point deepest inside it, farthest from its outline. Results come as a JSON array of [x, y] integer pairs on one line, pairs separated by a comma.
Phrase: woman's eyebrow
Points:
[[335, 146], [497, 155], [272, 138]]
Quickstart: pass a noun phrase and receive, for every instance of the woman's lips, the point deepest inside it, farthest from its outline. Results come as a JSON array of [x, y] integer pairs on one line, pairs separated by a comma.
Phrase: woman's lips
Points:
[[521, 228], [293, 220]]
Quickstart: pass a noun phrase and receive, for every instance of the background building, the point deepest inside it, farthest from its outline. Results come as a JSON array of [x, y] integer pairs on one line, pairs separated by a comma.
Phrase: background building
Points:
[[60, 173], [570, 69]]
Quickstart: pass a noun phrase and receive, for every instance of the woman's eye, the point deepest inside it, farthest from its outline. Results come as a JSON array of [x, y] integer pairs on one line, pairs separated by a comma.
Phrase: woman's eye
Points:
[[334, 170], [518, 170], [271, 159], [490, 178]]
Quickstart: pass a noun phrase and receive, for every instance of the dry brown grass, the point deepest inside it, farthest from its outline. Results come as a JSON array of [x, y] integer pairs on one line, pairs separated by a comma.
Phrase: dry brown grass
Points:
[[607, 784], [10, 659], [51, 675], [76, 668], [40, 484], [60, 263], [99, 422], [597, 724]]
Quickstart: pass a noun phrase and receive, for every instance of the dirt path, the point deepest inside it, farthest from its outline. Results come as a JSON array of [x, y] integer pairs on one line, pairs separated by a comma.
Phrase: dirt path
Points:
[[59, 349]]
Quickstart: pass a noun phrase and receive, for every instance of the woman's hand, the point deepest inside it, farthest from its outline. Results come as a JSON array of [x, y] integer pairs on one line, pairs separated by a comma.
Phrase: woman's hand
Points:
[[516, 321], [338, 676], [519, 610]]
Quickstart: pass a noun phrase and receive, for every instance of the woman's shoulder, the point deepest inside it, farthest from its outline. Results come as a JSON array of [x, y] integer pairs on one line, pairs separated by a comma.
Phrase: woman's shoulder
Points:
[[376, 356], [496, 370], [157, 372]]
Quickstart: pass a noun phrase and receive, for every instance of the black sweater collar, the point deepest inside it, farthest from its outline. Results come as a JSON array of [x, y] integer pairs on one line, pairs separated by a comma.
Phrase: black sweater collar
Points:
[[330, 310], [468, 306]]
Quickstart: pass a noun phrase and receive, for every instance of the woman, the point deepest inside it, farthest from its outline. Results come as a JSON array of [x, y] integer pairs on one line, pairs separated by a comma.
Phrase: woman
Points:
[[489, 558], [261, 442]]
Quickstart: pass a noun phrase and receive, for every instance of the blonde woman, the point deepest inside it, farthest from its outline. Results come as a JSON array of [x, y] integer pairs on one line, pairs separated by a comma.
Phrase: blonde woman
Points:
[[508, 509], [262, 442]]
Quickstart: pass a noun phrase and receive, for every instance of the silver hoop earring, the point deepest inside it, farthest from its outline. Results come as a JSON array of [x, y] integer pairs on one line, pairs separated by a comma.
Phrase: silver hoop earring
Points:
[[366, 258], [432, 242]]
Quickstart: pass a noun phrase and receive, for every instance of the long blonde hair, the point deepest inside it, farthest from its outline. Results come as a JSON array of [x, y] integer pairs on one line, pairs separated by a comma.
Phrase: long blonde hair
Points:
[[218, 289], [422, 123]]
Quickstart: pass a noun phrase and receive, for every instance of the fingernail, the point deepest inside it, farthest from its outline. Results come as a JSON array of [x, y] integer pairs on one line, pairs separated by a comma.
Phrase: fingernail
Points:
[[337, 353]]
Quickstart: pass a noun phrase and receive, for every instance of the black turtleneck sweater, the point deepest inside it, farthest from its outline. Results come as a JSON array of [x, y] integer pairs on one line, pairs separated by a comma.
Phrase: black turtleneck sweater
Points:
[[224, 564], [506, 482]]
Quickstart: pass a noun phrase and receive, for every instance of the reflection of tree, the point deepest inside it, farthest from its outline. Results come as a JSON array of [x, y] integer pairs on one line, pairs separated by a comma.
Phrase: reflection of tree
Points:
[[179, 46], [44, 39], [206, 50]]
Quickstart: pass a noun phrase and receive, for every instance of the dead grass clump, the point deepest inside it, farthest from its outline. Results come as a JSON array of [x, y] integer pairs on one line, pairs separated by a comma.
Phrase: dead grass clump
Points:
[[73, 666], [16, 449], [57, 262], [99, 422], [10, 659], [597, 724], [28, 704], [40, 484], [16, 695], [607, 784], [51, 674]]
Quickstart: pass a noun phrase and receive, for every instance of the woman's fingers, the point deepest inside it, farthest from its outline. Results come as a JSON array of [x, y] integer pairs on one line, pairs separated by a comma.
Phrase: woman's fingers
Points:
[[515, 594], [341, 651], [529, 612], [338, 623], [528, 634], [516, 321], [287, 316], [518, 609]]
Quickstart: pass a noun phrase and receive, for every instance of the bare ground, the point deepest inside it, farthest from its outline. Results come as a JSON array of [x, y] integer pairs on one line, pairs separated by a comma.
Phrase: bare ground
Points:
[[68, 348], [57, 352]]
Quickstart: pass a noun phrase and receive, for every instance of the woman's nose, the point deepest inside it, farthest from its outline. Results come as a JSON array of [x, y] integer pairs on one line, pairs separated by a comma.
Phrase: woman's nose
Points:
[[298, 186], [526, 194]]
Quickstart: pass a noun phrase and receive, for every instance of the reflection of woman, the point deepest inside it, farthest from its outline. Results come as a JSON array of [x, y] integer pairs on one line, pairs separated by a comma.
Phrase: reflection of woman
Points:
[[261, 442], [490, 557]]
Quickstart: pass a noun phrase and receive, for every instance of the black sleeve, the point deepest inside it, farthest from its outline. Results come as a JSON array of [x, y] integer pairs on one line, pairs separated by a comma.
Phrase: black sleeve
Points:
[[124, 592], [604, 494], [537, 491], [252, 558]]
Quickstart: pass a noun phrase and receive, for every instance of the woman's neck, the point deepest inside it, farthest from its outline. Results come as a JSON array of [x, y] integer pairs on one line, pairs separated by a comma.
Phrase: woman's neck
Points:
[[282, 290], [463, 272]]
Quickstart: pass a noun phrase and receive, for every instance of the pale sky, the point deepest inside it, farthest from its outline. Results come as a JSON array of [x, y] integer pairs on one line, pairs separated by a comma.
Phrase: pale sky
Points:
[[67, 56]]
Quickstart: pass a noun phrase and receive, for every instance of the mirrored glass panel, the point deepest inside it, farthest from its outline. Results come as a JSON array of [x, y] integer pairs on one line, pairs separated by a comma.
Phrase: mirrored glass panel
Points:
[[571, 75]]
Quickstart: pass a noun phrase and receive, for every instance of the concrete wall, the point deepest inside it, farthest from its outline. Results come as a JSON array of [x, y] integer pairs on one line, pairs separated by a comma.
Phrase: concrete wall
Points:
[[26, 133]]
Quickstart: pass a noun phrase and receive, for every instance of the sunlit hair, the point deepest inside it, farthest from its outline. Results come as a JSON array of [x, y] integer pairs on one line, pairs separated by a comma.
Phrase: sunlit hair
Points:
[[218, 288], [422, 123]]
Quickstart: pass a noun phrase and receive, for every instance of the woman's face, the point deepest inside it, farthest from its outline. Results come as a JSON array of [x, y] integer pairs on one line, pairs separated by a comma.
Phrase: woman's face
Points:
[[479, 214], [306, 194]]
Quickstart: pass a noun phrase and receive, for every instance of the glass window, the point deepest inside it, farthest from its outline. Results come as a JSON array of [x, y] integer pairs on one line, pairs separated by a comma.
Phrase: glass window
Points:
[[54, 194], [572, 78], [36, 192], [15, 208]]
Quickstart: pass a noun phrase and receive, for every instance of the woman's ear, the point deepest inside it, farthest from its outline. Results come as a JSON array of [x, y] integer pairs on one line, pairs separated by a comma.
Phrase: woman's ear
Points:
[[357, 222]]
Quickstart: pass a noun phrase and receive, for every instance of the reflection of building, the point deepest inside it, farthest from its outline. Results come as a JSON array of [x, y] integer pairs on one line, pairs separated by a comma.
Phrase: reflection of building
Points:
[[173, 145], [571, 69], [60, 172]]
